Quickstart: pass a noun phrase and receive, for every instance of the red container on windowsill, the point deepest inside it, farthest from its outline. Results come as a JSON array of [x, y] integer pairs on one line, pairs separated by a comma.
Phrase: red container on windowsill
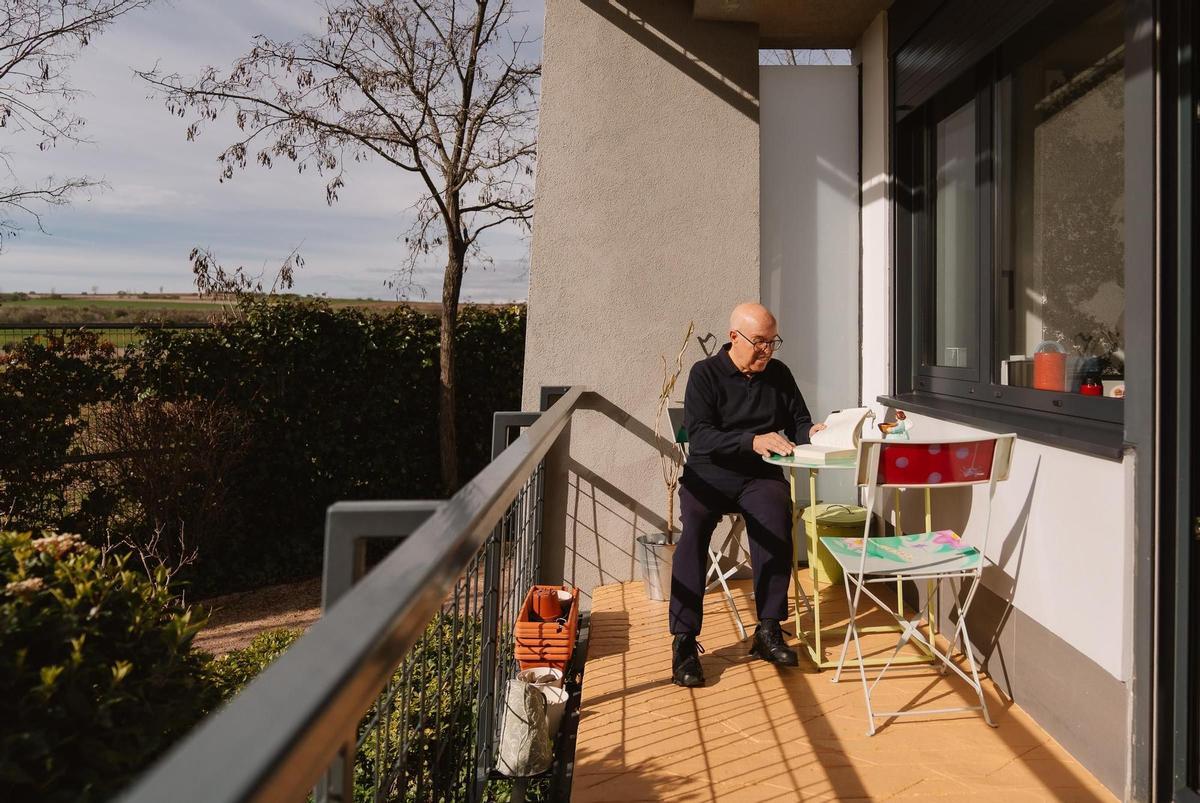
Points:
[[1049, 367]]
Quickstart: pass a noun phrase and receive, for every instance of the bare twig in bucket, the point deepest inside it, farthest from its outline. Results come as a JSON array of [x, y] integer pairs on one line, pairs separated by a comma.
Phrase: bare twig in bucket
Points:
[[669, 458]]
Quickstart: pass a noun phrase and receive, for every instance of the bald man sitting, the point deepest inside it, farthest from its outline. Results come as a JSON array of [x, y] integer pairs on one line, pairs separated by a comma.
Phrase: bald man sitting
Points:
[[737, 402]]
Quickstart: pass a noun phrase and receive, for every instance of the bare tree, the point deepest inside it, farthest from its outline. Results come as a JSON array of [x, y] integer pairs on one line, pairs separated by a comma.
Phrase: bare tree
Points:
[[803, 57], [171, 461], [437, 88], [39, 39]]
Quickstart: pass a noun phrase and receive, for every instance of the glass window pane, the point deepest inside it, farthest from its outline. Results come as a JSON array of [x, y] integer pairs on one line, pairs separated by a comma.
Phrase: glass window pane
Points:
[[1061, 247], [955, 264]]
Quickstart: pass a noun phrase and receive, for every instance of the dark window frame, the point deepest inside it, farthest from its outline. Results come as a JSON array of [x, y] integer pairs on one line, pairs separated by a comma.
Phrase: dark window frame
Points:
[[973, 393]]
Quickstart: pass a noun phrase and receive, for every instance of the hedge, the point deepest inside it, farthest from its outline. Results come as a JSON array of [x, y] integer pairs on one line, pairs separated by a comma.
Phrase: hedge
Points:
[[252, 429]]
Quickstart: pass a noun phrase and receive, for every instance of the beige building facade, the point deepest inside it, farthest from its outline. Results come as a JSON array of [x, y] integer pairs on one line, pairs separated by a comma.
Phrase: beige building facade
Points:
[[653, 212]]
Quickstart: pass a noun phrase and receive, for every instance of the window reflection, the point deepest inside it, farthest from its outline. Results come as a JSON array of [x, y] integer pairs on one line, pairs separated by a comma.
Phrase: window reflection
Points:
[[1061, 245], [956, 271]]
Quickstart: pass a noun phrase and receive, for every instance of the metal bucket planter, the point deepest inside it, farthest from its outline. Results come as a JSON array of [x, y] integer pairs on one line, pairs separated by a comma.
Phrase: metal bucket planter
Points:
[[832, 520], [654, 556]]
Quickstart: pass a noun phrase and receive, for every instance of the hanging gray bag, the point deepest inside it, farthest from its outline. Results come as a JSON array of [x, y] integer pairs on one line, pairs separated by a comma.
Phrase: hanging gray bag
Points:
[[524, 731]]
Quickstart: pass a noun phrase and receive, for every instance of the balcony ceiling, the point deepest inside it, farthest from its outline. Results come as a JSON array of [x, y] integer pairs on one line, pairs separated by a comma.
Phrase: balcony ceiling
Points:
[[801, 24]]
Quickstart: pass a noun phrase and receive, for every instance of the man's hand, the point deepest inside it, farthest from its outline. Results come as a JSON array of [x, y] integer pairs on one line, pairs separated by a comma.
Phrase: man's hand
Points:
[[814, 429], [771, 443]]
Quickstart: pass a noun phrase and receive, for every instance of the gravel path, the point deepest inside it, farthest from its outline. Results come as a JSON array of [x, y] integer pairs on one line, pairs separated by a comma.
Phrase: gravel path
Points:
[[235, 619]]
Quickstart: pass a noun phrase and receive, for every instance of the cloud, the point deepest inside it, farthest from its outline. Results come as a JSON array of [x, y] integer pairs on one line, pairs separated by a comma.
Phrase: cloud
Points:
[[163, 195], [138, 197]]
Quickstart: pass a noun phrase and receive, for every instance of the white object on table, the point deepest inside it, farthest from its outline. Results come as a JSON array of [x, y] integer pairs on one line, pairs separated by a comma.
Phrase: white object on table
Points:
[[839, 439]]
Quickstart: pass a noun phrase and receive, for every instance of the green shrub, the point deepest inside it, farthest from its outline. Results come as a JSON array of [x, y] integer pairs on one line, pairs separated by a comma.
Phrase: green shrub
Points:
[[231, 672], [438, 737], [432, 713], [432, 717], [97, 674], [46, 385]]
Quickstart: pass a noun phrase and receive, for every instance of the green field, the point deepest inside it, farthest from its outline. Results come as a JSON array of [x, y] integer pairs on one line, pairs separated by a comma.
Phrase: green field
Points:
[[106, 303], [19, 309]]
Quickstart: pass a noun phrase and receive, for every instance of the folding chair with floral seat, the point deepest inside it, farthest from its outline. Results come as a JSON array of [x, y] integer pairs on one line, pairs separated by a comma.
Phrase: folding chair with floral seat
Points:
[[929, 556]]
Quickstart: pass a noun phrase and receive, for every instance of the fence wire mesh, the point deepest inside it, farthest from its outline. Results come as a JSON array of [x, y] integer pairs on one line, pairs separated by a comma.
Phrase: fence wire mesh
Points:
[[432, 734], [121, 335]]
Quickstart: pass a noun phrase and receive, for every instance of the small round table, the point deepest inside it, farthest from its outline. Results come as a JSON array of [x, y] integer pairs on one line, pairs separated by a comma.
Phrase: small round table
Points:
[[793, 467], [812, 642]]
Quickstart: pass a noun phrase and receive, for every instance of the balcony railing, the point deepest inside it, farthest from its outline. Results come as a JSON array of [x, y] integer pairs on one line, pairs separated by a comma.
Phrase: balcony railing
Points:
[[394, 693]]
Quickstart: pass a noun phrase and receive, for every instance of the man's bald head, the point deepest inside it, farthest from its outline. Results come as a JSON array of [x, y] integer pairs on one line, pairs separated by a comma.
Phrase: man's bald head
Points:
[[751, 323], [751, 316]]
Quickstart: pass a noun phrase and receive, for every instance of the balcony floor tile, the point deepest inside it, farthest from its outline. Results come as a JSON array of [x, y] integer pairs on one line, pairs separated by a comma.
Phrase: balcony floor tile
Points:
[[757, 732]]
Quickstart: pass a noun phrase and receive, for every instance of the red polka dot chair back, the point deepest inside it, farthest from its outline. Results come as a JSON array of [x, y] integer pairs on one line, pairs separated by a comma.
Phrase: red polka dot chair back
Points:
[[935, 464], [909, 464]]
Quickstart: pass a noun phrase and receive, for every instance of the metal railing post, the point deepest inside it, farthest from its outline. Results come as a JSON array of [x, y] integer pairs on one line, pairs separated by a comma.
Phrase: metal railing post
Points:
[[538, 517], [487, 666], [348, 527], [503, 425], [338, 784]]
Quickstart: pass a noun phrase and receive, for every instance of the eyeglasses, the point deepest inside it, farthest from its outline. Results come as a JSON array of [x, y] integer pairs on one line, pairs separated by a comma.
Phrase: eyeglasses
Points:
[[763, 345]]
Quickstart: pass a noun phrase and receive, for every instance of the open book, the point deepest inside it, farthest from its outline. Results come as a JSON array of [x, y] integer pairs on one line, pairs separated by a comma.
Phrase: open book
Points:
[[839, 439]]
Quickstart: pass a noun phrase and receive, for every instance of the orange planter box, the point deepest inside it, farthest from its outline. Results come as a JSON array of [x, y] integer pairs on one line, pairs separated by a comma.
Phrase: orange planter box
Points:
[[538, 643]]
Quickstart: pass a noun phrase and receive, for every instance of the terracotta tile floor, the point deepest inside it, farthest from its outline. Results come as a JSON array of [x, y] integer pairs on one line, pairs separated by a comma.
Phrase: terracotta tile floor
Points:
[[756, 732]]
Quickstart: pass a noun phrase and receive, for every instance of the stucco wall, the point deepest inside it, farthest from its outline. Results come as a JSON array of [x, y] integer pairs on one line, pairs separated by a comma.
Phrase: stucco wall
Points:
[[1054, 621], [646, 218]]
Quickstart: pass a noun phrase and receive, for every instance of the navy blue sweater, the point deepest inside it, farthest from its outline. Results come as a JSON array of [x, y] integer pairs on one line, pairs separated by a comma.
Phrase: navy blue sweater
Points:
[[723, 409]]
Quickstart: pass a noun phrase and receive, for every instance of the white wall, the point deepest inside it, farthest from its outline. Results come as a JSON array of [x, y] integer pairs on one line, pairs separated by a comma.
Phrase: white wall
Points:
[[876, 218], [808, 180], [1060, 536]]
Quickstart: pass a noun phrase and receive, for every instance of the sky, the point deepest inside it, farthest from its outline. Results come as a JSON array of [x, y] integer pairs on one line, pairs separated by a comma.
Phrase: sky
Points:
[[163, 196]]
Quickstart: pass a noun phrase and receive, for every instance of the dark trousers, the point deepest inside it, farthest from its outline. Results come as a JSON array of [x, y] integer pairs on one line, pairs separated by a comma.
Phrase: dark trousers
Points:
[[766, 506]]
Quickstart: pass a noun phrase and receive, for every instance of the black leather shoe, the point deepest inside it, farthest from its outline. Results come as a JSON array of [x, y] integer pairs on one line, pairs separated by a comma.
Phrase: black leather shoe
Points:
[[768, 644], [685, 662]]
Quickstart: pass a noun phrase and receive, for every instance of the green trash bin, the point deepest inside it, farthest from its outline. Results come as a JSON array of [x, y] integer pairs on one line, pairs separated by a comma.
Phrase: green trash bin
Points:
[[830, 520]]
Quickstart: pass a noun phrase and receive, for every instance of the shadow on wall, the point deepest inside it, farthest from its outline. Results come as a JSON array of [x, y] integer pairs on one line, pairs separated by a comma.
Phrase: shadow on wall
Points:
[[591, 498], [667, 28], [601, 519], [989, 617], [988, 626]]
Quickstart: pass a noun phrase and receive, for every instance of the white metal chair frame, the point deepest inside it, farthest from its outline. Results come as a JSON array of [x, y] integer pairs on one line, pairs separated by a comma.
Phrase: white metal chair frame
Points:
[[856, 584], [731, 546]]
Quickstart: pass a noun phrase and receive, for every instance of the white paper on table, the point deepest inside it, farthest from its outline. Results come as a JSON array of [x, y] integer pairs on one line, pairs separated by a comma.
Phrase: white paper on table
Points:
[[839, 439]]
